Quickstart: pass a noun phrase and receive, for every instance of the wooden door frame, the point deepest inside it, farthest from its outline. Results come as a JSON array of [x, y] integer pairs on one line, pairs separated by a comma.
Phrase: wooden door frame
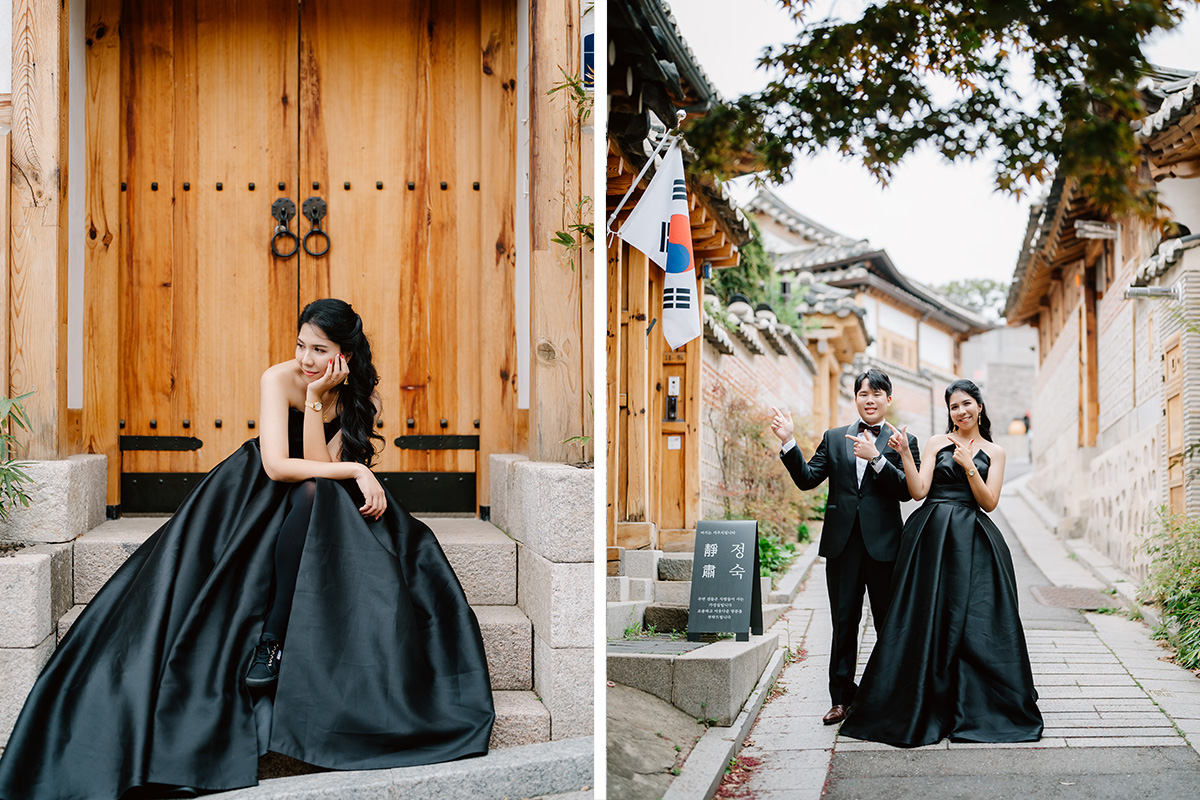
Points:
[[106, 220]]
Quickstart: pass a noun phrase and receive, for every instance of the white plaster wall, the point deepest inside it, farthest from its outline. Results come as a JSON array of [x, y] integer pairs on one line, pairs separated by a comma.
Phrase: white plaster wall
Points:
[[1183, 196], [935, 347], [6, 52], [521, 221], [76, 193], [897, 321]]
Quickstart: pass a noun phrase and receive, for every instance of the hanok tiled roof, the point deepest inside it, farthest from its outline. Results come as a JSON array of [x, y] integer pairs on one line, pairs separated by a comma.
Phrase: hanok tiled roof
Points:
[[770, 204], [1165, 257]]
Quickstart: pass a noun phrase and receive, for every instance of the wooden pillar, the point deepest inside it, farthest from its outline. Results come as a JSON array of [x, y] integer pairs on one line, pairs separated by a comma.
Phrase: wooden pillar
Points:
[[5, 259], [497, 331], [38, 264], [102, 247], [691, 402], [637, 453], [612, 358], [557, 402]]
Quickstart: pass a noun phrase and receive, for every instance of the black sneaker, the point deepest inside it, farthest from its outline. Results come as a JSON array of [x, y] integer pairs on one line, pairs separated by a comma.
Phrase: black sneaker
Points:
[[264, 664]]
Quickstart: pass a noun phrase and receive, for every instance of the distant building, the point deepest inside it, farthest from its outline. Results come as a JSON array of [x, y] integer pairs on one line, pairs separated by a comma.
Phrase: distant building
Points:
[[915, 333], [1117, 394]]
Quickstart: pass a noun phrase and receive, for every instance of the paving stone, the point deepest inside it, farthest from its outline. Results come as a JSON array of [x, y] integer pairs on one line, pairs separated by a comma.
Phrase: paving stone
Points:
[[1131, 741], [1077, 732], [1043, 743], [505, 513], [616, 589], [1141, 721], [1095, 692]]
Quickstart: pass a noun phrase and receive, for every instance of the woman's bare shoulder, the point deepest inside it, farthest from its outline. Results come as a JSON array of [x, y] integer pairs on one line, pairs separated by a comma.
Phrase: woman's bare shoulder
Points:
[[993, 450], [280, 374]]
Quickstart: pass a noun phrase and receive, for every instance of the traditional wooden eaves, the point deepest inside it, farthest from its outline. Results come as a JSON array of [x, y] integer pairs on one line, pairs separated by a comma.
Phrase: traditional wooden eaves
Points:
[[1171, 135], [1171, 145], [874, 272]]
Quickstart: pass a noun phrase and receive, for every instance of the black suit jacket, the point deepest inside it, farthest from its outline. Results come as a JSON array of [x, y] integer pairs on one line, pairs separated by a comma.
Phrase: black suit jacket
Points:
[[876, 503]]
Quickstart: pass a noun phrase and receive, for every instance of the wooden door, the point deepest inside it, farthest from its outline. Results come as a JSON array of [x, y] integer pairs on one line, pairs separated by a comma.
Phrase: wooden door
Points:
[[390, 133], [376, 108], [210, 133]]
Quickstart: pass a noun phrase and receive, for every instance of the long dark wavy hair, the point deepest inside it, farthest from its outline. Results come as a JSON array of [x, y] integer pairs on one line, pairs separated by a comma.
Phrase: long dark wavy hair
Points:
[[342, 326], [964, 385]]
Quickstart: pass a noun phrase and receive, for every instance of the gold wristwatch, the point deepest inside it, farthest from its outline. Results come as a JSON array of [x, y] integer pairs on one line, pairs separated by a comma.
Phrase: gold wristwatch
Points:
[[315, 406], [971, 472]]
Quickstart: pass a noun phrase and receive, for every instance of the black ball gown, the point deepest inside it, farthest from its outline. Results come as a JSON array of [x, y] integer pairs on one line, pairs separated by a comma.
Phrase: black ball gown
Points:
[[950, 660], [384, 664]]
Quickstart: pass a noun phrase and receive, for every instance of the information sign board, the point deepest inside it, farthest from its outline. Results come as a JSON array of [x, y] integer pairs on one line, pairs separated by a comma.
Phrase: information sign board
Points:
[[726, 592]]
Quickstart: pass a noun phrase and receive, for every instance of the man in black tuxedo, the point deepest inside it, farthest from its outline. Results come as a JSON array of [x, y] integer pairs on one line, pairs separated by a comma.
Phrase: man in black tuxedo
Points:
[[862, 528]]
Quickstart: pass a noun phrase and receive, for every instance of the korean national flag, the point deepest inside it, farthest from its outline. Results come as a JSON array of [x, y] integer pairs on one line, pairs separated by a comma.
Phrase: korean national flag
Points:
[[661, 228]]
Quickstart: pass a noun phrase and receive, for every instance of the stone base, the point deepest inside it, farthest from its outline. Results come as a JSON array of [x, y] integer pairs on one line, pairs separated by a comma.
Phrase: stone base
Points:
[[558, 598], [67, 498], [544, 505], [620, 616], [19, 668], [666, 618], [711, 682], [35, 590], [640, 563], [563, 678]]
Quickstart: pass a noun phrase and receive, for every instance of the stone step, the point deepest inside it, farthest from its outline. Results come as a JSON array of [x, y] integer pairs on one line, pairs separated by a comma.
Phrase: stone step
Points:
[[507, 641], [544, 770], [483, 557]]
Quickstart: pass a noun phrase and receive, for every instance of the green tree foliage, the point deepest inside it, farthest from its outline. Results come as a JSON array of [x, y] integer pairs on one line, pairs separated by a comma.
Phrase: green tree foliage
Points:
[[908, 73], [753, 277], [983, 295]]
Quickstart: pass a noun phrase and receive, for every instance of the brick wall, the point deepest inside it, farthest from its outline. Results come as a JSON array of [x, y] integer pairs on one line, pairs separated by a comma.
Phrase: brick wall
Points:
[[766, 380]]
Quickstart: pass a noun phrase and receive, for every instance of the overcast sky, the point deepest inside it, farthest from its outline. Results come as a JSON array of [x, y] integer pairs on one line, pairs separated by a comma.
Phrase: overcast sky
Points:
[[937, 221]]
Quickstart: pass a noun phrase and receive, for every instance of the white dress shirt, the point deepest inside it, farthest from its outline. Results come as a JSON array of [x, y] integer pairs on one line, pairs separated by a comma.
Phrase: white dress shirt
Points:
[[860, 464]]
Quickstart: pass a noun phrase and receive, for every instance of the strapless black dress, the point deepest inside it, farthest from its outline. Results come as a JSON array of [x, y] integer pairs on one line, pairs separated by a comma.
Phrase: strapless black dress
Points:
[[951, 659], [384, 665]]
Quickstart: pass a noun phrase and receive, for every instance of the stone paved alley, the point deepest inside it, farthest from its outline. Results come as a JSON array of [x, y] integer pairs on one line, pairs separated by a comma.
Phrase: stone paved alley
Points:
[[1120, 720]]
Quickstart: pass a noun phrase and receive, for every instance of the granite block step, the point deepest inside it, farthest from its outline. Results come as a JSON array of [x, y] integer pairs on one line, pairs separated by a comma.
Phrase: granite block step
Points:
[[482, 556], [507, 641]]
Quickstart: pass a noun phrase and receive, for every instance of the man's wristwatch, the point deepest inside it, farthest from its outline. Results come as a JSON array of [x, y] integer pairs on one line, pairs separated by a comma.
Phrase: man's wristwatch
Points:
[[878, 457]]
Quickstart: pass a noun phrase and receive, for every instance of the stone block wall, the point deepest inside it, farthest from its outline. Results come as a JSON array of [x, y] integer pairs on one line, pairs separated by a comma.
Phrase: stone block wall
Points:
[[67, 499], [547, 508], [36, 582]]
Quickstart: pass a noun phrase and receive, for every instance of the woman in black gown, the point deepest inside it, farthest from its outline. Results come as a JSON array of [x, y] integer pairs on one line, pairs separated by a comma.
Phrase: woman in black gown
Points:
[[172, 679], [950, 660]]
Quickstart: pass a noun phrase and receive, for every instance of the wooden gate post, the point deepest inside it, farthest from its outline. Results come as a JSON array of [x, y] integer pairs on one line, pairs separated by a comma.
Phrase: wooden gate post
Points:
[[556, 404], [38, 265], [102, 247]]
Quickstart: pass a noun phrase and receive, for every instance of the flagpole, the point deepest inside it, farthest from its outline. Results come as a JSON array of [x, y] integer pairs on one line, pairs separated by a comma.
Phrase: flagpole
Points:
[[670, 137]]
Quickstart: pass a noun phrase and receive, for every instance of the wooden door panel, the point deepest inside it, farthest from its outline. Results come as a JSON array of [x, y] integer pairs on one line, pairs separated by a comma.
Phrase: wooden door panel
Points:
[[210, 100], [385, 89]]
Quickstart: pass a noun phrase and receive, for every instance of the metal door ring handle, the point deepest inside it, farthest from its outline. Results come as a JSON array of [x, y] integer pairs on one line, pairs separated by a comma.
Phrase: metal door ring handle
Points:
[[321, 252], [283, 233]]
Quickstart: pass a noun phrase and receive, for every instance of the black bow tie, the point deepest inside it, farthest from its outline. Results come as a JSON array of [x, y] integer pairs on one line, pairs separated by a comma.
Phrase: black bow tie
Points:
[[862, 426]]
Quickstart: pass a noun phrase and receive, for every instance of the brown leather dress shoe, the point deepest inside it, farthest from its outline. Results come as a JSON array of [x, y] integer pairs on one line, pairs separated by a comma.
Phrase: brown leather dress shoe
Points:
[[835, 715]]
